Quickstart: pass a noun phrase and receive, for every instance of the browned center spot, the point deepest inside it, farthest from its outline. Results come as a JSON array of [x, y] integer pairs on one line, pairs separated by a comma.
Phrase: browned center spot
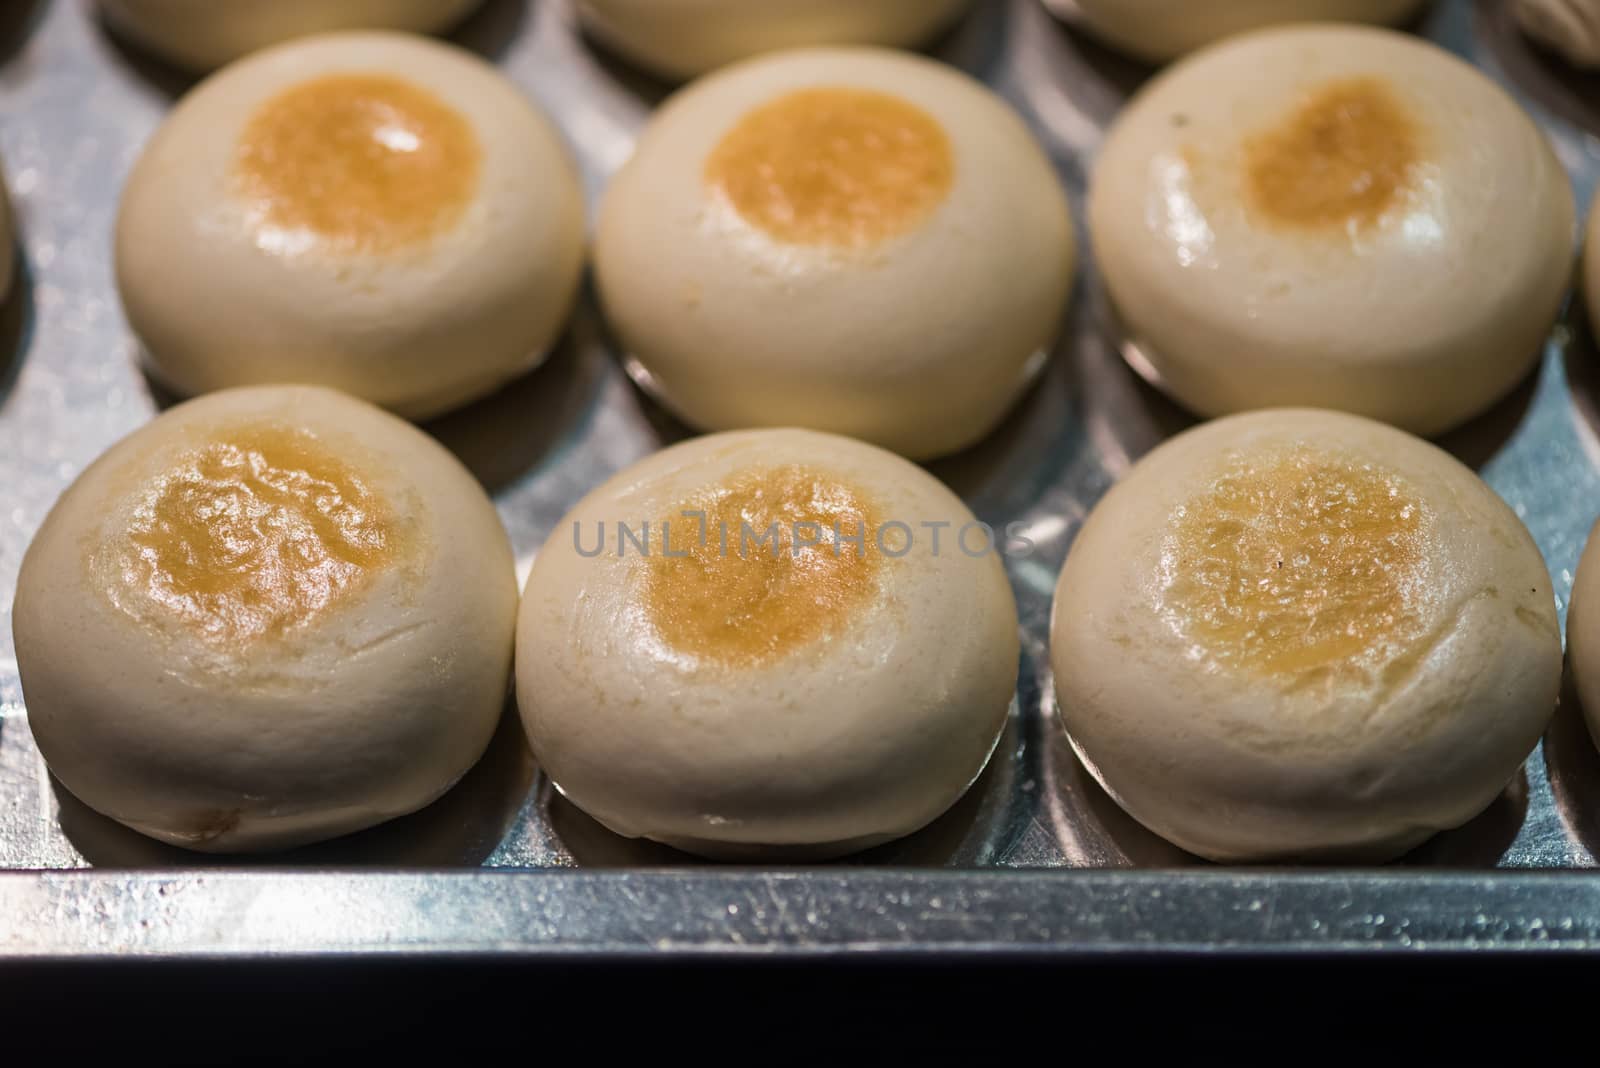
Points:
[[357, 162], [252, 534], [1343, 158], [832, 166], [1303, 564], [750, 590]]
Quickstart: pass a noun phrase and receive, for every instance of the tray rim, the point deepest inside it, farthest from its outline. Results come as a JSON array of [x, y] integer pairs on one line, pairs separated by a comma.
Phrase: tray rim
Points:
[[888, 914]]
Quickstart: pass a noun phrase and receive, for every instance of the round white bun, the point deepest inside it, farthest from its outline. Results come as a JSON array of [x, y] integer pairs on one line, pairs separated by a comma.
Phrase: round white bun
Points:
[[1300, 634], [682, 38], [1159, 30], [741, 703], [202, 34], [1320, 216], [1590, 274], [376, 212], [1583, 633], [1570, 27], [272, 615], [854, 240]]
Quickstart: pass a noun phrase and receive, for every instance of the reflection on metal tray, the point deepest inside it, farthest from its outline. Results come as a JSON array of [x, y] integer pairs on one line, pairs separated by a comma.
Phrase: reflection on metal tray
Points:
[[75, 105]]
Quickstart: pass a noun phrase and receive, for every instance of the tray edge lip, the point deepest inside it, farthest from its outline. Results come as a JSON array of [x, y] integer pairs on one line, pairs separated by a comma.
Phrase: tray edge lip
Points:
[[652, 915]]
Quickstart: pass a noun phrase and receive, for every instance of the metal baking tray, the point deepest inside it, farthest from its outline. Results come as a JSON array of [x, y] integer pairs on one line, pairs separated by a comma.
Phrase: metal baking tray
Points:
[[1036, 859]]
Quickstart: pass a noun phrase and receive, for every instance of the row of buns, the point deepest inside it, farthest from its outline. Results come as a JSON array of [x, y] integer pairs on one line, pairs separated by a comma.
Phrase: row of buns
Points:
[[881, 248], [683, 38]]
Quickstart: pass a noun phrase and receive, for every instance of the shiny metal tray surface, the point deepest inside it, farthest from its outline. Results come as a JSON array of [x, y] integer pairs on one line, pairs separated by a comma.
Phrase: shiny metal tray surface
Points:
[[503, 864]]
